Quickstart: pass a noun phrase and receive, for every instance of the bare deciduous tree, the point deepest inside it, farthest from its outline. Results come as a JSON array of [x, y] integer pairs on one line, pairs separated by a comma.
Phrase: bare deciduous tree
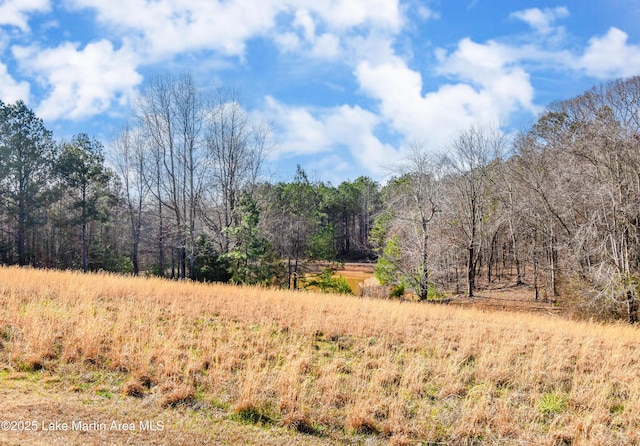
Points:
[[172, 113], [415, 200], [471, 153], [130, 159], [236, 149]]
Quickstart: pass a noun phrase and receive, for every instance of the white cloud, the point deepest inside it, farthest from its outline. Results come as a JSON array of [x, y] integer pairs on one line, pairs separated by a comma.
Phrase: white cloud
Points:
[[327, 46], [83, 82], [375, 48], [166, 27], [304, 20], [344, 14], [288, 42], [542, 20], [433, 117], [495, 69], [485, 82], [16, 12], [490, 86], [304, 131], [474, 61], [610, 56], [353, 127], [605, 57], [426, 13], [300, 133], [163, 28], [488, 82], [10, 89], [328, 30]]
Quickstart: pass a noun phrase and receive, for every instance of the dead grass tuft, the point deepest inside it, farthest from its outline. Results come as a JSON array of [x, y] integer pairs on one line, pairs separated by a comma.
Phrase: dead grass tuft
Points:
[[300, 422], [177, 395], [401, 440], [33, 363], [249, 412], [134, 387], [361, 425]]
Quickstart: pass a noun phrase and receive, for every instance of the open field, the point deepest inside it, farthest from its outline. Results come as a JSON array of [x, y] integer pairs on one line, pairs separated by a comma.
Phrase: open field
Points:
[[222, 364]]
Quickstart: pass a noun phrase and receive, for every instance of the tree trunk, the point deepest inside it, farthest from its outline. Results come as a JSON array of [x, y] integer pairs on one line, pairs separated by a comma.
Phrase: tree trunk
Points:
[[85, 262], [424, 277], [535, 264], [134, 259], [553, 259], [471, 271], [183, 260], [632, 305], [160, 235], [21, 236], [492, 257]]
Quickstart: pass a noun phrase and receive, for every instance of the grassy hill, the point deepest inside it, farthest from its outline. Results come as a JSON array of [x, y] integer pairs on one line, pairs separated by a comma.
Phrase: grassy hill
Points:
[[239, 365]]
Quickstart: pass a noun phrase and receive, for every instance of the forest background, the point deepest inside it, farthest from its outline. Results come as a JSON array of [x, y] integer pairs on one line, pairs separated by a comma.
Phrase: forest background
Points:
[[181, 193]]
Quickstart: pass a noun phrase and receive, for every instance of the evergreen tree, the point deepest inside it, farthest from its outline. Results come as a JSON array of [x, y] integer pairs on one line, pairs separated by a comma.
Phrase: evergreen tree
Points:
[[81, 170], [26, 155], [251, 258]]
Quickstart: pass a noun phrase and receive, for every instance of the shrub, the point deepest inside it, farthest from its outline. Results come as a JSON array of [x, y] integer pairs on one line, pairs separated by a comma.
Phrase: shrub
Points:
[[326, 283], [397, 292]]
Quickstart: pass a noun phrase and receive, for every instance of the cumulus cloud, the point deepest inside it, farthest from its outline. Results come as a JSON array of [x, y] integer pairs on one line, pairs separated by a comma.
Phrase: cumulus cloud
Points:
[[542, 20], [304, 21], [487, 85], [433, 117], [328, 30], [353, 127], [474, 61], [305, 131], [16, 12], [344, 14], [166, 27], [493, 67], [80, 82], [85, 79], [327, 46], [10, 89], [299, 131], [610, 56]]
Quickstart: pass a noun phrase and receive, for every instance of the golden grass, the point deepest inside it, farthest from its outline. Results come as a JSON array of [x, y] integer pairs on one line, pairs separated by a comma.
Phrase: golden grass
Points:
[[324, 364]]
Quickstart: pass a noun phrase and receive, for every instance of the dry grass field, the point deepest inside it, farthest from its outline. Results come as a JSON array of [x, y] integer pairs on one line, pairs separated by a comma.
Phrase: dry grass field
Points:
[[230, 365]]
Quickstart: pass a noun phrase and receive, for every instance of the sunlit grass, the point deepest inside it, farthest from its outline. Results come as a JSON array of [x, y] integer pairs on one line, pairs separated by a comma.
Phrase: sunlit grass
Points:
[[321, 364]]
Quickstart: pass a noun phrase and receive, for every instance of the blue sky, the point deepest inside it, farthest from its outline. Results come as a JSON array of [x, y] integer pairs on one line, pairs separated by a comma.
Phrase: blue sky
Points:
[[347, 84]]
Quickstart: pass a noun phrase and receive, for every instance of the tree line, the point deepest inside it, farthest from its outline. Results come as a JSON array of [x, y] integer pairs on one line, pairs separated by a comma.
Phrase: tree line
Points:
[[182, 195], [556, 207], [179, 194]]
